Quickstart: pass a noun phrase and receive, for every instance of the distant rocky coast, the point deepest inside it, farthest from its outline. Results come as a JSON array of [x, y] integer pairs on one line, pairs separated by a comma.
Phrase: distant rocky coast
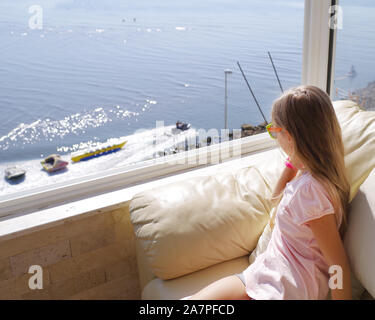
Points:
[[366, 97], [249, 130]]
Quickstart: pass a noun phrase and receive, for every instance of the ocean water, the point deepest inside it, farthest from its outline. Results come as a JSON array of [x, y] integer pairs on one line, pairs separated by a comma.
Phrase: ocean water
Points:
[[355, 46], [108, 70]]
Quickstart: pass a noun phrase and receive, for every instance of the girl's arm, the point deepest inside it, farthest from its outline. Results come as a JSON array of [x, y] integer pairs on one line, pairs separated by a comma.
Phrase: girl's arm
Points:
[[330, 244], [287, 175]]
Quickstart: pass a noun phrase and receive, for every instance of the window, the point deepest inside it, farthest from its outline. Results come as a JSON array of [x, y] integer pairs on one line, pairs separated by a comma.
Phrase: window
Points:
[[355, 49], [77, 74]]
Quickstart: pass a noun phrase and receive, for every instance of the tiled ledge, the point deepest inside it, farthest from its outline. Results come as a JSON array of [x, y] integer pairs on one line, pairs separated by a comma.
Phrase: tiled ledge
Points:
[[88, 258], [21, 224]]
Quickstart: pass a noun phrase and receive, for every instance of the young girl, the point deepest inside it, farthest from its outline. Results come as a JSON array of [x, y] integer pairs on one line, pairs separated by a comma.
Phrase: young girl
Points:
[[312, 199]]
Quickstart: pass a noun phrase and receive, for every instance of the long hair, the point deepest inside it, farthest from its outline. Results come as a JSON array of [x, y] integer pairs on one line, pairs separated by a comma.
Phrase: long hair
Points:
[[307, 113]]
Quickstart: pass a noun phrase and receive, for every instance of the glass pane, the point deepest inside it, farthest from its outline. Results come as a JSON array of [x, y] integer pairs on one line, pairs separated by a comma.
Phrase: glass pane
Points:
[[355, 50], [77, 74]]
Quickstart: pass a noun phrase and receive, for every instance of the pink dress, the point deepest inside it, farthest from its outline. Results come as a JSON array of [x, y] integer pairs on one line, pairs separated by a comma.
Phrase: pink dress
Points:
[[292, 266]]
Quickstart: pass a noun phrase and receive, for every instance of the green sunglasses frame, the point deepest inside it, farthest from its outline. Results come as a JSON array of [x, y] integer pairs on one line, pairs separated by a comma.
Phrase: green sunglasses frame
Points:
[[271, 129]]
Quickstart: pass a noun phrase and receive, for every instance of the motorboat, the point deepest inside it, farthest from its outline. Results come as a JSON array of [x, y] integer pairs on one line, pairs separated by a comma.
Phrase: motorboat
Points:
[[87, 154], [54, 163], [14, 173], [182, 125]]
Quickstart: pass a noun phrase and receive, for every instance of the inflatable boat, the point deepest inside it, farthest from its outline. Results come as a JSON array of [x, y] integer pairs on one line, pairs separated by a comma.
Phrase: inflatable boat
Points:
[[54, 163], [87, 154]]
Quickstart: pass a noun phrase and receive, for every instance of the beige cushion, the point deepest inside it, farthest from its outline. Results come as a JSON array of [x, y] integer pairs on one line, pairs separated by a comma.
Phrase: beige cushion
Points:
[[193, 282], [358, 133], [264, 238], [360, 236], [190, 225], [145, 274]]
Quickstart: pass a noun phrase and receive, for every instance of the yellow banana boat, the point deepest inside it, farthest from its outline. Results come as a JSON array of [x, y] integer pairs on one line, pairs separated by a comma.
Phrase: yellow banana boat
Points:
[[84, 155]]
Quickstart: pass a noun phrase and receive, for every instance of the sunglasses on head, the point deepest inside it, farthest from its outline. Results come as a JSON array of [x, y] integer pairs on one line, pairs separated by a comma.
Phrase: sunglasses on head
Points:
[[272, 130]]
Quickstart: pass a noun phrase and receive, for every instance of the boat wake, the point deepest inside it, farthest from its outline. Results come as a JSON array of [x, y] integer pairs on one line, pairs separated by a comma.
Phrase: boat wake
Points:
[[140, 146]]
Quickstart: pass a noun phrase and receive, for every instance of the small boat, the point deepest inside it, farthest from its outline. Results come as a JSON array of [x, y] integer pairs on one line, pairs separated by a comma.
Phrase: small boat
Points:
[[14, 173], [87, 154], [53, 163], [182, 125], [352, 72]]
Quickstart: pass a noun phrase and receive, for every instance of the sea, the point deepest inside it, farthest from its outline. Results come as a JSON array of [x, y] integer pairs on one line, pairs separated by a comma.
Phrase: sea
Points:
[[75, 74]]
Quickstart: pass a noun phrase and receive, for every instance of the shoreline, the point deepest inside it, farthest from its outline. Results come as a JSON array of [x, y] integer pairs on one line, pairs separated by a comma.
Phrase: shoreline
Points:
[[365, 97]]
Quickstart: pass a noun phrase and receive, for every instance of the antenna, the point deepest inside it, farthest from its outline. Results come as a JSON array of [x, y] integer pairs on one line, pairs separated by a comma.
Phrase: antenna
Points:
[[226, 72], [252, 93], [269, 54]]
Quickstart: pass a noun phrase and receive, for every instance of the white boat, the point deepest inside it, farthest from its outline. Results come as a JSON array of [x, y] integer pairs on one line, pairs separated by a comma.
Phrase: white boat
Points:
[[14, 173]]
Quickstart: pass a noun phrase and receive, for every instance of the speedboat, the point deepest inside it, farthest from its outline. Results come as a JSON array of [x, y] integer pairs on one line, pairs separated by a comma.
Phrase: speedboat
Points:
[[54, 163], [182, 125], [14, 173], [97, 152]]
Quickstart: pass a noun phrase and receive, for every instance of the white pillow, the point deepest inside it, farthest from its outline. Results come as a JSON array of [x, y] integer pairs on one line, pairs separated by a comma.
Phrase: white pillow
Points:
[[359, 238], [190, 225], [263, 240]]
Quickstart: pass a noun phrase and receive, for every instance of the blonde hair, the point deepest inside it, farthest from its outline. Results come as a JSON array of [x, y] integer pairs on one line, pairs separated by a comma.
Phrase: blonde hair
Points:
[[307, 113]]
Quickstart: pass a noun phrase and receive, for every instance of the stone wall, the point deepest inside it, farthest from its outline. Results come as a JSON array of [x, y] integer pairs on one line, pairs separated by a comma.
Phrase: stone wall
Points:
[[91, 256]]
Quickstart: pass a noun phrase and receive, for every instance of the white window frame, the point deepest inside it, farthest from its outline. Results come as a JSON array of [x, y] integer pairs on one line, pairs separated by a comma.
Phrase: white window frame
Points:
[[319, 45], [314, 71]]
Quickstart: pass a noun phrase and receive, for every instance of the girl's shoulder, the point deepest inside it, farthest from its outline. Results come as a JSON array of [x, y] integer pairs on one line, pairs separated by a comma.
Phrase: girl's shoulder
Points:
[[308, 199], [304, 181]]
